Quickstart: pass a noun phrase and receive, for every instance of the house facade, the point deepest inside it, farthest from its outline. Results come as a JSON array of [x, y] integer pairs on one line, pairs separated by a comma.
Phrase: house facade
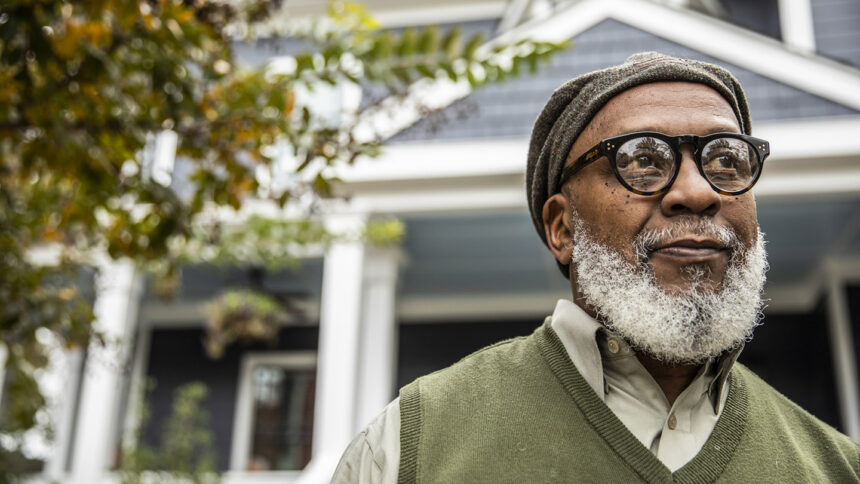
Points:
[[471, 270]]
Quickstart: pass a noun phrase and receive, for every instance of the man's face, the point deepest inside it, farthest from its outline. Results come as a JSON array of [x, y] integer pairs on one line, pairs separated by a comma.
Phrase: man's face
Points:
[[614, 216]]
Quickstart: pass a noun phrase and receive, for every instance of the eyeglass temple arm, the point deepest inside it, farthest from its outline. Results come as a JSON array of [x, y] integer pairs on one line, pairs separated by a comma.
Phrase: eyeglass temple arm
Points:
[[588, 157]]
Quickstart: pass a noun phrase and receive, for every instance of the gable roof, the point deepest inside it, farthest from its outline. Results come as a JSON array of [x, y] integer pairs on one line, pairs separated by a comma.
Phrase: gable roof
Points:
[[686, 31], [509, 109]]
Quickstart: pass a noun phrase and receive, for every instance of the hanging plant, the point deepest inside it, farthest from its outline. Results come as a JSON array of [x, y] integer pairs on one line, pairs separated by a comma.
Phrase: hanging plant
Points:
[[241, 316]]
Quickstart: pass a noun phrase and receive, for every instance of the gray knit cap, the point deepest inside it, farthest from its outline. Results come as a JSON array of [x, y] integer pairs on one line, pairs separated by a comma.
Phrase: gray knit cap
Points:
[[571, 107]]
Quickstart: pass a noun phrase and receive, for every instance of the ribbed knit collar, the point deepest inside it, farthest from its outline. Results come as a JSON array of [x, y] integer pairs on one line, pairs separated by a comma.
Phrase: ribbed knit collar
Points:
[[585, 341], [708, 464]]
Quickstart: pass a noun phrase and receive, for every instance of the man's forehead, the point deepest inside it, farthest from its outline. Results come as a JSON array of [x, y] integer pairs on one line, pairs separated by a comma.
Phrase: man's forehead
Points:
[[659, 107]]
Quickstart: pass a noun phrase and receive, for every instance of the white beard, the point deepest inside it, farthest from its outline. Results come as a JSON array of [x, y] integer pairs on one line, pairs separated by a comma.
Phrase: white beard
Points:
[[690, 326]]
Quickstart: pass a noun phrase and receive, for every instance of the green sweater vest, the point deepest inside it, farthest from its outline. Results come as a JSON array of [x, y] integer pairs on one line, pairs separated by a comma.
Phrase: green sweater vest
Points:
[[520, 412]]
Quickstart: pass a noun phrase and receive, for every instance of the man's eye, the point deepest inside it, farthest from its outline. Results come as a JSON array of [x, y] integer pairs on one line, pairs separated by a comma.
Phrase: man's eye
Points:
[[639, 161], [723, 161], [643, 161]]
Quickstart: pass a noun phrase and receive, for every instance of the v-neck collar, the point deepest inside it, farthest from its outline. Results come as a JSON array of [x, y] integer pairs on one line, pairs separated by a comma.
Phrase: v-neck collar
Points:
[[706, 466]]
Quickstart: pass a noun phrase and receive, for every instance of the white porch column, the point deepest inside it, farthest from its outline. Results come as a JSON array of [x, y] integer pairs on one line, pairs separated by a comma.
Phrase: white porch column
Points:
[[337, 354], [65, 414], [378, 355], [844, 357], [118, 293]]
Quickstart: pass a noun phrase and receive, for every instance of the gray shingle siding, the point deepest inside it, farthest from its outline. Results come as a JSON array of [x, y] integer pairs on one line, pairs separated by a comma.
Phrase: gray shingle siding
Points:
[[837, 29], [509, 109]]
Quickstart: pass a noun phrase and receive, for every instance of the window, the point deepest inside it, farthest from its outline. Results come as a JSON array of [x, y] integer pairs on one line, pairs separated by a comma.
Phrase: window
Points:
[[273, 426]]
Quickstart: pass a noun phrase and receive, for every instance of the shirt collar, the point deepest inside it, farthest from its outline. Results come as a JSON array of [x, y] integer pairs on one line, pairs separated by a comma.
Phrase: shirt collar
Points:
[[578, 333], [587, 344]]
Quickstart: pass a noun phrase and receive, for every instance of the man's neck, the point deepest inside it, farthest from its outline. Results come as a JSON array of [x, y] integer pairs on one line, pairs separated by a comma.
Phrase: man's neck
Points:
[[672, 378]]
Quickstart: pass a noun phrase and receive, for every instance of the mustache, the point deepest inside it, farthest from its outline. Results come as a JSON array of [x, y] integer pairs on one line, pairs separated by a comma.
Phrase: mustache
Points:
[[701, 227]]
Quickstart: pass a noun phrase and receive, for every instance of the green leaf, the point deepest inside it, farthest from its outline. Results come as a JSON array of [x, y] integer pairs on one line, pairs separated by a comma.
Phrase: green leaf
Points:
[[470, 76], [429, 41], [474, 42], [449, 70], [451, 43], [408, 43]]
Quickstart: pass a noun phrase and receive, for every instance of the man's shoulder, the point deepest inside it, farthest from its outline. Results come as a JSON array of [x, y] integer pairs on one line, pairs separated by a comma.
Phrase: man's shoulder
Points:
[[486, 359], [509, 360], [769, 405]]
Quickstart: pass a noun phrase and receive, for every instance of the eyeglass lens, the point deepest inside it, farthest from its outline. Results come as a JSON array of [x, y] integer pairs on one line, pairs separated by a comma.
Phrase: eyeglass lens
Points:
[[647, 163]]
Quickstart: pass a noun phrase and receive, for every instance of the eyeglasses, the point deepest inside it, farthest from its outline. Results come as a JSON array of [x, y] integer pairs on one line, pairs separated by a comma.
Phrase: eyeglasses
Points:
[[647, 162]]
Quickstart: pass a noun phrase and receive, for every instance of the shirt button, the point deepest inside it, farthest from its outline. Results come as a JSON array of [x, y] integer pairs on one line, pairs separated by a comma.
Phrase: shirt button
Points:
[[673, 422], [613, 346]]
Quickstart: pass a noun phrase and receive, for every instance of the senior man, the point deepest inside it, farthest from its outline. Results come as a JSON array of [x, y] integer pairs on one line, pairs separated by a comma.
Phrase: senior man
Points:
[[638, 181]]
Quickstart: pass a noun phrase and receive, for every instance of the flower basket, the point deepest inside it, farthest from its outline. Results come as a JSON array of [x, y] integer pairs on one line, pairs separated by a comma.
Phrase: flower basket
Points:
[[241, 316]]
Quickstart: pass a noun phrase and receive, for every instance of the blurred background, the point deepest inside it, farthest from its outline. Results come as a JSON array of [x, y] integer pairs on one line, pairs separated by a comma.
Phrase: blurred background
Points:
[[232, 230]]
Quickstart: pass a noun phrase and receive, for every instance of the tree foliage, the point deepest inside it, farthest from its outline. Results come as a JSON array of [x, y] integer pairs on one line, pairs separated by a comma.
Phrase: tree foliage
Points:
[[84, 87]]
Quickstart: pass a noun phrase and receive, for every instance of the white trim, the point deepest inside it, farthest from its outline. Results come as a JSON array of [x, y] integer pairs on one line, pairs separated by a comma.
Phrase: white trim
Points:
[[451, 159], [377, 358], [440, 200], [242, 424], [514, 13], [138, 384], [744, 48], [799, 297], [795, 23], [456, 159], [261, 477], [441, 13], [844, 356], [478, 306], [64, 417], [119, 287], [190, 313], [803, 138], [699, 32], [487, 175], [339, 339], [846, 269], [845, 182]]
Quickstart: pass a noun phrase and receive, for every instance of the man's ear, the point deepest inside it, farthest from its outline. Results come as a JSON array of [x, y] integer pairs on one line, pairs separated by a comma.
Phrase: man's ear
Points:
[[556, 225]]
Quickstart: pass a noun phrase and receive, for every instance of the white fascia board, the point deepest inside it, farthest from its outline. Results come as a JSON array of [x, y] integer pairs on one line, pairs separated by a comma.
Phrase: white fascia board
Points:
[[441, 13], [441, 200], [821, 138], [836, 183], [441, 160], [488, 174], [790, 140], [482, 307]]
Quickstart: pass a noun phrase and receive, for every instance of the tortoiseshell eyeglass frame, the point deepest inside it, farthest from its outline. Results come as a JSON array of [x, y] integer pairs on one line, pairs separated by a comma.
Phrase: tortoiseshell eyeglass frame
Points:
[[609, 148]]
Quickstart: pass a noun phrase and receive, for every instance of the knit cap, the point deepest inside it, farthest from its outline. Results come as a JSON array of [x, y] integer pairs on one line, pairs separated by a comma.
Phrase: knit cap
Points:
[[571, 107]]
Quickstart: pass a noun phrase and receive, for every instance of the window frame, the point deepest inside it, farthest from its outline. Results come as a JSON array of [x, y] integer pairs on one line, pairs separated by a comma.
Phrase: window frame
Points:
[[240, 446]]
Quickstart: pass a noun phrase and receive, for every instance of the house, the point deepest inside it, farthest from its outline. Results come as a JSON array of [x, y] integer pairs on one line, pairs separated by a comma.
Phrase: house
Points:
[[471, 270]]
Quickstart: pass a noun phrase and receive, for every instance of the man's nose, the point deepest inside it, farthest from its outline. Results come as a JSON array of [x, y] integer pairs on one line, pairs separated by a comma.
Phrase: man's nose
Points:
[[690, 193]]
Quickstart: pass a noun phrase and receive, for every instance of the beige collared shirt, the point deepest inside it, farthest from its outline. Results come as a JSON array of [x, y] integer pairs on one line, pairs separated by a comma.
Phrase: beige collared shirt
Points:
[[674, 433]]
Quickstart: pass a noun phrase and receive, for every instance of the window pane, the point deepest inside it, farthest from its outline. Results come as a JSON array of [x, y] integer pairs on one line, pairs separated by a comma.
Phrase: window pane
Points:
[[283, 418]]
